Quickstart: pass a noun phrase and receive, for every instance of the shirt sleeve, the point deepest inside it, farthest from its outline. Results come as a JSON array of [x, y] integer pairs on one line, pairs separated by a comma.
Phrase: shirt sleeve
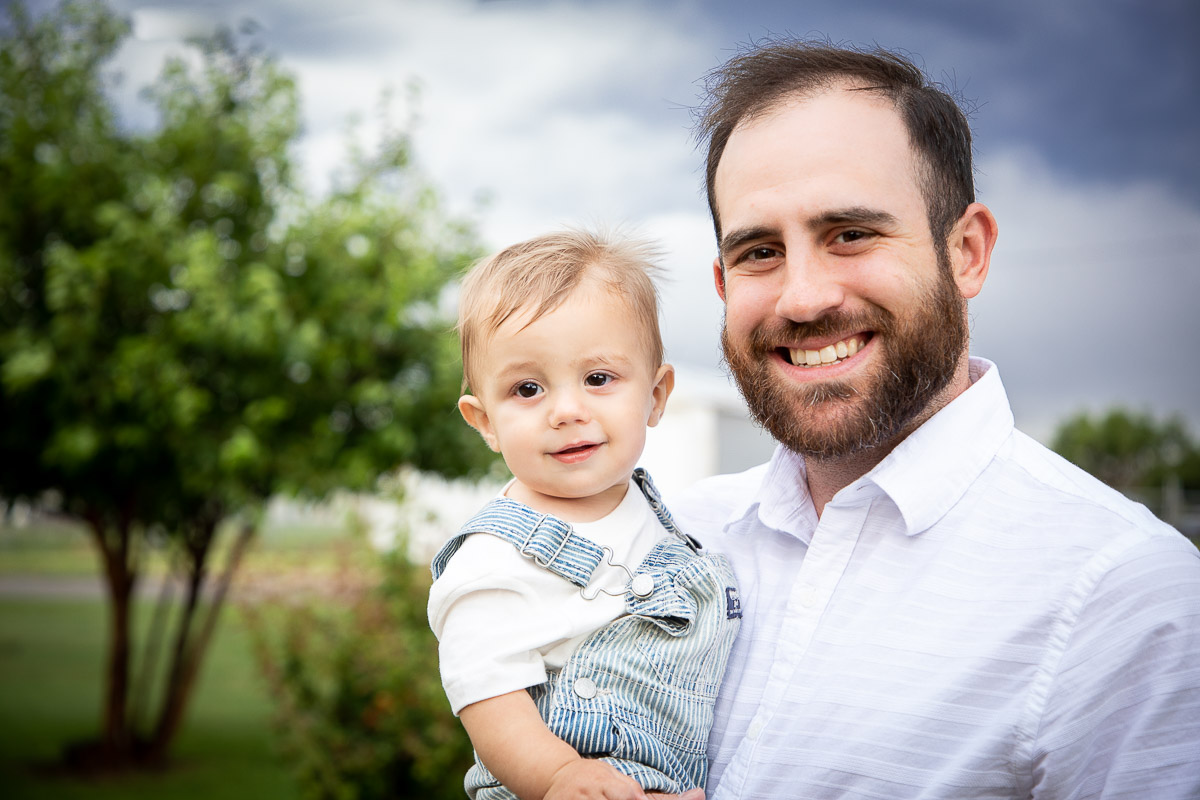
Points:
[[1122, 710], [490, 622]]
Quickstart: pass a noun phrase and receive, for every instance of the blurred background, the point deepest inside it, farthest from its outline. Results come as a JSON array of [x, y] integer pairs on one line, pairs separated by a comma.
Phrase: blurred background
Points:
[[229, 233]]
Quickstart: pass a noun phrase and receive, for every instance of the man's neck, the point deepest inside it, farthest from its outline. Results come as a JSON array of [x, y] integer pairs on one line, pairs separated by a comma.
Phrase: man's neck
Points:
[[827, 477]]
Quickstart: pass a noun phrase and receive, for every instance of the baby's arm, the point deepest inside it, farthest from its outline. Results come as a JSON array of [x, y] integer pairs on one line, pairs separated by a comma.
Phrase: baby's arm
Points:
[[516, 746]]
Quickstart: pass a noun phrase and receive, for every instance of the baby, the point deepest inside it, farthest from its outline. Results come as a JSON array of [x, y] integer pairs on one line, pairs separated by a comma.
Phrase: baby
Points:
[[582, 636]]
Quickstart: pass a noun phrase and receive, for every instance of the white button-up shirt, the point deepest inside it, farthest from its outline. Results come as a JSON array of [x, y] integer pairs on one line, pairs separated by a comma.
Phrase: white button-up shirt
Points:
[[974, 618]]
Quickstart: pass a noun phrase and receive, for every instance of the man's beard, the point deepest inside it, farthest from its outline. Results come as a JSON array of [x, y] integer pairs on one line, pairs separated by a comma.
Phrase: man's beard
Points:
[[831, 419]]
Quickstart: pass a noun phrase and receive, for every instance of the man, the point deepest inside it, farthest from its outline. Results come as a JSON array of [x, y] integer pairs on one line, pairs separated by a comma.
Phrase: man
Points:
[[935, 606]]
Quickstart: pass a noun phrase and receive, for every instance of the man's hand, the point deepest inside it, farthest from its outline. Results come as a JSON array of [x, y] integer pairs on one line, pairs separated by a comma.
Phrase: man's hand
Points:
[[587, 779], [516, 746]]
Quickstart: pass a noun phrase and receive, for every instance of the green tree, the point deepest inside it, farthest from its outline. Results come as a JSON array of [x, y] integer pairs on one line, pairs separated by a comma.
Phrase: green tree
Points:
[[184, 333], [1129, 450]]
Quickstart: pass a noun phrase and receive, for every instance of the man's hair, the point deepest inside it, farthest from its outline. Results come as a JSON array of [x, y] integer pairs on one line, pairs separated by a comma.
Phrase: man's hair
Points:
[[760, 78], [540, 273]]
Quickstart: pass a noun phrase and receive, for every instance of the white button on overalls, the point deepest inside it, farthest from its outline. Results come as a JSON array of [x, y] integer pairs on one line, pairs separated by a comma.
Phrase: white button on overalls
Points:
[[642, 585]]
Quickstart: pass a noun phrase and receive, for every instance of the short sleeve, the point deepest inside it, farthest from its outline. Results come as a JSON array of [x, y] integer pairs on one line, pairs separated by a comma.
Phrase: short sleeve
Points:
[[490, 623]]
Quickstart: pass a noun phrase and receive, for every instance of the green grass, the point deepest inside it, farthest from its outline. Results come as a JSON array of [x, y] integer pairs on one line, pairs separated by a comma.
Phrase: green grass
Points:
[[51, 672], [47, 548], [50, 687], [60, 548]]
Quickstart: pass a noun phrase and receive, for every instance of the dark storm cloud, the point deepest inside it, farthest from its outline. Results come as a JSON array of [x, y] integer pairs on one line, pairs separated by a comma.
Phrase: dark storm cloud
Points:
[[1099, 88]]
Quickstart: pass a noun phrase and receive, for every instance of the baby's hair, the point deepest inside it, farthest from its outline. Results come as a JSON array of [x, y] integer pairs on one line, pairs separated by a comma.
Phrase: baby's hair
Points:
[[540, 273]]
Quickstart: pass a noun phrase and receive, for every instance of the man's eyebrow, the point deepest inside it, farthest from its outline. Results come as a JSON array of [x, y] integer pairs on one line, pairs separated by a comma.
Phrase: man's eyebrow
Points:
[[735, 239], [854, 215]]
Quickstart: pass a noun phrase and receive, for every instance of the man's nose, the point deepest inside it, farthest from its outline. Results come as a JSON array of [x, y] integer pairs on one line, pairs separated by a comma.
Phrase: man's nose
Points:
[[569, 406], [810, 288]]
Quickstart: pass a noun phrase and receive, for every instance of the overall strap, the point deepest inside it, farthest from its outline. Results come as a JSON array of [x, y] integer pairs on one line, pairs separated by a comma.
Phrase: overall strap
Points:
[[642, 479], [549, 541]]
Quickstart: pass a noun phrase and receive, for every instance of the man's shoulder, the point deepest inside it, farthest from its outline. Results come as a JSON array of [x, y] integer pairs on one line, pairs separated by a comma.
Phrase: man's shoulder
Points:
[[1045, 486]]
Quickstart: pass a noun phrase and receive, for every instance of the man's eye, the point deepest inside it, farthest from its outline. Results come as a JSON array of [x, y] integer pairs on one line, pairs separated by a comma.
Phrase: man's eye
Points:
[[527, 389], [849, 237], [597, 379], [760, 254]]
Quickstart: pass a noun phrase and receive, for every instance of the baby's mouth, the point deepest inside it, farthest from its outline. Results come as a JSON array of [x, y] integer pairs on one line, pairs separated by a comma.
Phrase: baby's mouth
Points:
[[830, 354], [577, 452], [575, 448]]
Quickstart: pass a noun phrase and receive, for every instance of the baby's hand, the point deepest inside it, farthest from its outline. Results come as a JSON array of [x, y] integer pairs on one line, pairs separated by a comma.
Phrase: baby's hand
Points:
[[588, 779]]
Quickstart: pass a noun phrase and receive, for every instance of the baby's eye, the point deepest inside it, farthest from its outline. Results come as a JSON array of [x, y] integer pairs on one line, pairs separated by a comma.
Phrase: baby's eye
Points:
[[527, 389], [597, 379]]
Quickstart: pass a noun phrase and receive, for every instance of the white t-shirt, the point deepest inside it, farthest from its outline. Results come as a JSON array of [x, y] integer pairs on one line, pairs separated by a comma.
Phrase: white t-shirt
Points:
[[502, 621]]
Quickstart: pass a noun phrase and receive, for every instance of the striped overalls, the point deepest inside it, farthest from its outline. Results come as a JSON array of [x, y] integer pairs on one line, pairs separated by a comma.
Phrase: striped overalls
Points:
[[638, 693]]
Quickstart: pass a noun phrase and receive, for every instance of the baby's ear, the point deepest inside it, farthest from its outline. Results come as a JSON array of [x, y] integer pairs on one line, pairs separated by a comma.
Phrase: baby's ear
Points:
[[664, 382], [477, 417]]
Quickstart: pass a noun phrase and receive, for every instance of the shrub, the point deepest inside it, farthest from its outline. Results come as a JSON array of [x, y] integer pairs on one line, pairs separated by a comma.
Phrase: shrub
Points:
[[360, 708]]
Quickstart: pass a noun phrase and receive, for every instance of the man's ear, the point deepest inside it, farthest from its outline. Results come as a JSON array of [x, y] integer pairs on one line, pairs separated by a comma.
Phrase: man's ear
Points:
[[970, 248], [664, 382], [719, 277], [477, 417]]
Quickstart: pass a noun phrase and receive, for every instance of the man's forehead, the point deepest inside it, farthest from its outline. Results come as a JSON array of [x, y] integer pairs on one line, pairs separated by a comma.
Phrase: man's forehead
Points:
[[842, 127]]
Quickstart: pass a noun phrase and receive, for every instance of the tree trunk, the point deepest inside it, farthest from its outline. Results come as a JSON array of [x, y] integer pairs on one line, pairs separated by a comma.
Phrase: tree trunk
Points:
[[190, 649], [170, 712], [120, 579], [139, 706]]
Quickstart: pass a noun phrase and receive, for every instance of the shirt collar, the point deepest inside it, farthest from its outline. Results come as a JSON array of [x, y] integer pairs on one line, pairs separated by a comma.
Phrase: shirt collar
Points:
[[783, 500], [925, 475], [930, 471]]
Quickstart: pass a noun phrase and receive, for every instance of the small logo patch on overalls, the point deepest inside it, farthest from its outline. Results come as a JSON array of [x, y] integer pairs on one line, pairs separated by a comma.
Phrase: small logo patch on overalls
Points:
[[733, 603]]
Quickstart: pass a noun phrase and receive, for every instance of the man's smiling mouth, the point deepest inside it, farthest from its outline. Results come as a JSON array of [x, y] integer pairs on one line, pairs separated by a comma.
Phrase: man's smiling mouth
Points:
[[830, 354]]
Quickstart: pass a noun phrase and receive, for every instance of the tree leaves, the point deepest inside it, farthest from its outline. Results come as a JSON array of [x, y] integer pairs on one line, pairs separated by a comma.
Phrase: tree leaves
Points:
[[1130, 450], [184, 332], [192, 310]]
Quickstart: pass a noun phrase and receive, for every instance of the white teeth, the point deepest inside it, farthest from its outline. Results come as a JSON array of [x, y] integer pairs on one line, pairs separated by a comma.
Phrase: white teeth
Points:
[[830, 354]]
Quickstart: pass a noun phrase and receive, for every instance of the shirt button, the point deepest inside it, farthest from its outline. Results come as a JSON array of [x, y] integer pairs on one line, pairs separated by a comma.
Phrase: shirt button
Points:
[[642, 585], [585, 688], [756, 726], [808, 596]]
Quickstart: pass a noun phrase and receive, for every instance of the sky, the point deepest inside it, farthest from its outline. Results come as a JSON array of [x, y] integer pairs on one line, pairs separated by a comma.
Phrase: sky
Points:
[[534, 114]]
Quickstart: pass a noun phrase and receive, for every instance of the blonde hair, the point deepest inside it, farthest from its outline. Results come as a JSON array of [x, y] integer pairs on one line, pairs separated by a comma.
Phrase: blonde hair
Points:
[[541, 273]]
